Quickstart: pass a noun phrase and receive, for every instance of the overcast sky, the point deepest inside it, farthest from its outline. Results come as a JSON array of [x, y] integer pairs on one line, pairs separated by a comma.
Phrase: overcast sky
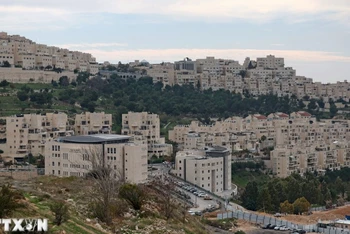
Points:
[[310, 34]]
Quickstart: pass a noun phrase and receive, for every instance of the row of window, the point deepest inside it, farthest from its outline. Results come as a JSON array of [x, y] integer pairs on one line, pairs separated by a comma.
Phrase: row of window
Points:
[[56, 148]]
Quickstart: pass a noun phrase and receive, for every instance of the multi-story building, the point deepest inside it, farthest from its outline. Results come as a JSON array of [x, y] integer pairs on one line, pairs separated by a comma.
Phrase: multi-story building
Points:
[[270, 62], [93, 123], [209, 169], [145, 128], [28, 133], [24, 53], [77, 156], [164, 73]]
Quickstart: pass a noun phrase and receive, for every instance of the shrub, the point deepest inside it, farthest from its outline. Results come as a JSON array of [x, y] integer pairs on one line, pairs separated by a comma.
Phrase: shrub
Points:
[[60, 210]]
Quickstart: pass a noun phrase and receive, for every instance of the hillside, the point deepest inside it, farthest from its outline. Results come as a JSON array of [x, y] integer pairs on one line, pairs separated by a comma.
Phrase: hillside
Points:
[[39, 193]]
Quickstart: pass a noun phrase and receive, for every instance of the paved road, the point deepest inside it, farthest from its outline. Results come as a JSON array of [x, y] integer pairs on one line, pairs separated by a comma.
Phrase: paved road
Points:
[[200, 203]]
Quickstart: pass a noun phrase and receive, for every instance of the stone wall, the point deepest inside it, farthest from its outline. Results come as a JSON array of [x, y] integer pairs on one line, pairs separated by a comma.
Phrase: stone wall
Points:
[[19, 175], [17, 75]]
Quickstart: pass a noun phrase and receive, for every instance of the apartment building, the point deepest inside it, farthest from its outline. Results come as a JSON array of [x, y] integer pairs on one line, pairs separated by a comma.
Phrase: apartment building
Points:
[[145, 129], [93, 123], [73, 156], [270, 62], [288, 160], [164, 73], [27, 54], [209, 169], [28, 133]]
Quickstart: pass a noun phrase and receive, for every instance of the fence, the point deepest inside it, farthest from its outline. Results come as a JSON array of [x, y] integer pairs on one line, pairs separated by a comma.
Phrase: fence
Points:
[[264, 220], [322, 208]]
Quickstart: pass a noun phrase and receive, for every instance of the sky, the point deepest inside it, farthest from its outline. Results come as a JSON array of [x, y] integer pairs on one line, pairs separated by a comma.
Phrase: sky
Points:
[[310, 34]]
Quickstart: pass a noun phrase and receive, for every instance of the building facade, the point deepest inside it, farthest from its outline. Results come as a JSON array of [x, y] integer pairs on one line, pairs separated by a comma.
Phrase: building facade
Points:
[[73, 156], [93, 123], [145, 128], [209, 169]]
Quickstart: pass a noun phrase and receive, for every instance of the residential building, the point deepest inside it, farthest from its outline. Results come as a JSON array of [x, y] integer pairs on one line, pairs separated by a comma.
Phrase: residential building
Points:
[[28, 55], [73, 156], [209, 169], [28, 133], [145, 128], [93, 123]]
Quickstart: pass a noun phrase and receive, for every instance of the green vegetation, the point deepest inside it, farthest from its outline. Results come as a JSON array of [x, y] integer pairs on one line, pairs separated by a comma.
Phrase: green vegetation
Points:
[[295, 194], [60, 211], [244, 172], [8, 200], [133, 194], [224, 224], [242, 178]]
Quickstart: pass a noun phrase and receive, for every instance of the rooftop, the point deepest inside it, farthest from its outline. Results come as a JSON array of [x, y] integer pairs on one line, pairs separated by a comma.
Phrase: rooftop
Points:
[[95, 139]]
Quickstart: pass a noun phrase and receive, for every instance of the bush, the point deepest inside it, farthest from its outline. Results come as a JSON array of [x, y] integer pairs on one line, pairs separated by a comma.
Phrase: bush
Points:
[[133, 194], [8, 199], [60, 210]]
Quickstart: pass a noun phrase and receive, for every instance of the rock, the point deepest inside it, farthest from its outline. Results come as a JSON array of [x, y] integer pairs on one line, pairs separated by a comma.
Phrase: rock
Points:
[[128, 215], [41, 184], [136, 228], [70, 200], [98, 226], [88, 220]]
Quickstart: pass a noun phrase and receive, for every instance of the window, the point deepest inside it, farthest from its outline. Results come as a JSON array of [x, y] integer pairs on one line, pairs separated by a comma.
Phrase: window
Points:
[[53, 172], [53, 164]]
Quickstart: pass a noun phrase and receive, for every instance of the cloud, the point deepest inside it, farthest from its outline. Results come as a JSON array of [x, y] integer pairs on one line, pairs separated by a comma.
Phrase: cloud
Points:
[[91, 45], [209, 10], [159, 55]]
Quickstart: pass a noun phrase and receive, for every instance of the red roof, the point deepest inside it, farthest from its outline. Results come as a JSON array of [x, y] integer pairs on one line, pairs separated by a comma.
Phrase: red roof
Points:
[[260, 116], [304, 113], [283, 115]]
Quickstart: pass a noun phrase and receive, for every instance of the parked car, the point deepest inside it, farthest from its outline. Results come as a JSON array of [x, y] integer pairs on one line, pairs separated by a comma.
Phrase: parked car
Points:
[[278, 215], [277, 228], [207, 198], [283, 228], [272, 227], [267, 226]]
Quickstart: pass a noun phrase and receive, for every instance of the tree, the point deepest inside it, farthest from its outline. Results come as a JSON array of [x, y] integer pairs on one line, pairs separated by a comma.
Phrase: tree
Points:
[[293, 189], [326, 194], [287, 207], [4, 83], [22, 96], [301, 205], [250, 195], [8, 202], [133, 194], [264, 200], [165, 191], [63, 81], [106, 183], [6, 64], [312, 105], [333, 109], [60, 211], [301, 104]]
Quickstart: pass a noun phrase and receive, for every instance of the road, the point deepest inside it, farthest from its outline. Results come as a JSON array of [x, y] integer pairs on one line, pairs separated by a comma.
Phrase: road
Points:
[[162, 170], [200, 204]]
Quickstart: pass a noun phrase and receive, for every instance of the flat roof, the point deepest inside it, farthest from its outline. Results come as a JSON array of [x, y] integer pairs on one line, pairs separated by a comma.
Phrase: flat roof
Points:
[[95, 139], [343, 221]]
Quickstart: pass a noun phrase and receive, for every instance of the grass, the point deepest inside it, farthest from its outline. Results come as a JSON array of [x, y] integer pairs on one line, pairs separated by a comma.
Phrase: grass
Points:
[[243, 177]]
